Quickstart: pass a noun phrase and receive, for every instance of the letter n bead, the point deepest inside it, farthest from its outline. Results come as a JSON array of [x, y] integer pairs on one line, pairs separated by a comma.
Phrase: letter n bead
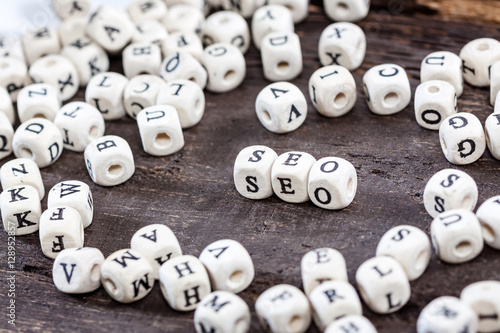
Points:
[[184, 282], [22, 171], [320, 265], [6, 136], [462, 138], [283, 308], [489, 217], [21, 209], [127, 276], [222, 312], [109, 160], [229, 265], [447, 314], [74, 194], [160, 129], [435, 100], [351, 324], [483, 298], [78, 270], [332, 183]]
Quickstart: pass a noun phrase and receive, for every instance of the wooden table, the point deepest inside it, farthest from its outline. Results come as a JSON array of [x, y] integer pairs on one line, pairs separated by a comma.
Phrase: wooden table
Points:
[[193, 193]]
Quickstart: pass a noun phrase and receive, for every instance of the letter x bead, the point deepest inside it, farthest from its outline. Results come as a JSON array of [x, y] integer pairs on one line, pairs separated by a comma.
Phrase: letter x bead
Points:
[[281, 107], [483, 298], [283, 308], [39, 100], [270, 18], [489, 217], [105, 92], [435, 100], [410, 246], [13, 76], [462, 138], [494, 82], [71, 8], [351, 11], [184, 282], [6, 106], [22, 171], [321, 265], [444, 66], [21, 209], [109, 160], [228, 265], [450, 189], [141, 92], [492, 127], [40, 42], [383, 284], [447, 314], [6, 135], [225, 65], [182, 65], [456, 236], [351, 324], [477, 57], [281, 56], [127, 276], [222, 312], [157, 243], [38, 139], [289, 176], [74, 194], [141, 58], [61, 227]]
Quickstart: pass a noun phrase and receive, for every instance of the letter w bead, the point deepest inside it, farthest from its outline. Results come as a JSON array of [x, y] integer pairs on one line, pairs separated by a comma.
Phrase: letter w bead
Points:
[[141, 282]]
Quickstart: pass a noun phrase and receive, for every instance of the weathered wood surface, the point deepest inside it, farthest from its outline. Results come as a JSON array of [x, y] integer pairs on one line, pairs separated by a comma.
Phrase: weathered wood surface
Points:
[[193, 193], [481, 11]]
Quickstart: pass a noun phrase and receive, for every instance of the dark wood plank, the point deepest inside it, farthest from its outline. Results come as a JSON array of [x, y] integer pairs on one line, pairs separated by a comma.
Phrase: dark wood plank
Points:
[[193, 192]]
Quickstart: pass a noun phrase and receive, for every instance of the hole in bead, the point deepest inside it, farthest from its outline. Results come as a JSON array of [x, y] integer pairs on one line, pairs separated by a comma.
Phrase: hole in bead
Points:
[[266, 116], [223, 20], [283, 66], [391, 99], [4, 65], [110, 286], [421, 261], [241, 326], [482, 47], [115, 170], [467, 202], [433, 89], [25, 152], [230, 75], [95, 272], [192, 79], [350, 187], [93, 132], [162, 140], [342, 6], [236, 277], [290, 7], [50, 62], [463, 249], [488, 232], [295, 323], [39, 115], [340, 101]]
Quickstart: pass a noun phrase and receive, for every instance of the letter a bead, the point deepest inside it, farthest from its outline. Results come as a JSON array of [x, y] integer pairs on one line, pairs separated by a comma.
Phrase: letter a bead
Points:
[[351, 324], [434, 101], [184, 282], [74, 194], [447, 314], [320, 265], [127, 276], [222, 312], [281, 107], [489, 217], [21, 209], [78, 270], [109, 160], [483, 298], [22, 171], [283, 308]]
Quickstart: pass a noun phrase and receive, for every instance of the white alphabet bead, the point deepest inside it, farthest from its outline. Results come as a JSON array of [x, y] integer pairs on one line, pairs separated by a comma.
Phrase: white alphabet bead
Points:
[[450, 189], [489, 217], [270, 18], [333, 300], [182, 17], [462, 138], [281, 56], [332, 90], [320, 265], [127, 276], [444, 66], [289, 176], [184, 282], [79, 124], [252, 172], [157, 243], [111, 28], [383, 284], [78, 270], [6, 106], [188, 99], [223, 312], [61, 228], [182, 65], [494, 81], [72, 29], [410, 246], [74, 194], [342, 44], [71, 8], [57, 71], [13, 76], [283, 308], [11, 46], [21, 209], [477, 57], [22, 171], [435, 100], [142, 10], [492, 127], [299, 8], [228, 265], [109, 160], [88, 57], [105, 92], [160, 130], [150, 31], [447, 314], [141, 92], [351, 11], [351, 324], [482, 297], [387, 89], [332, 183], [281, 107], [6, 135], [40, 42], [497, 104], [456, 236], [245, 8], [39, 100], [226, 27], [225, 65], [182, 41], [38, 139], [141, 58]]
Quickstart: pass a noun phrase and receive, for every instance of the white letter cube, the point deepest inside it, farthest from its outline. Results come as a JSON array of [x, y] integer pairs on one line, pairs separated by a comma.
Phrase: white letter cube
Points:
[[447, 314], [21, 209], [489, 217], [22, 171], [74, 194], [105, 92], [321, 265], [444, 66], [435, 100]]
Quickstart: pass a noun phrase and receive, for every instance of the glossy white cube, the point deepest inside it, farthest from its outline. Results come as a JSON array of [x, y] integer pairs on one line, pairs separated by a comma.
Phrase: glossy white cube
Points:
[[488, 215], [444, 66], [270, 18], [447, 314], [482, 297], [22, 171], [281, 56], [182, 65], [477, 57], [321, 265], [435, 100], [21, 209], [141, 92], [105, 92], [225, 65], [39, 100], [74, 194]]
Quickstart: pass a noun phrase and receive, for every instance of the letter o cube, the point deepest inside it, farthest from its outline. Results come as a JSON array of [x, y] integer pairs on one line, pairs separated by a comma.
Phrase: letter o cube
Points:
[[435, 100], [21, 208]]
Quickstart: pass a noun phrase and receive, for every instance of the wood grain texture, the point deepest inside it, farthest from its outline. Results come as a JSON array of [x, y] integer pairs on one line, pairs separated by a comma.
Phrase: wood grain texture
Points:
[[480, 11], [193, 193]]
